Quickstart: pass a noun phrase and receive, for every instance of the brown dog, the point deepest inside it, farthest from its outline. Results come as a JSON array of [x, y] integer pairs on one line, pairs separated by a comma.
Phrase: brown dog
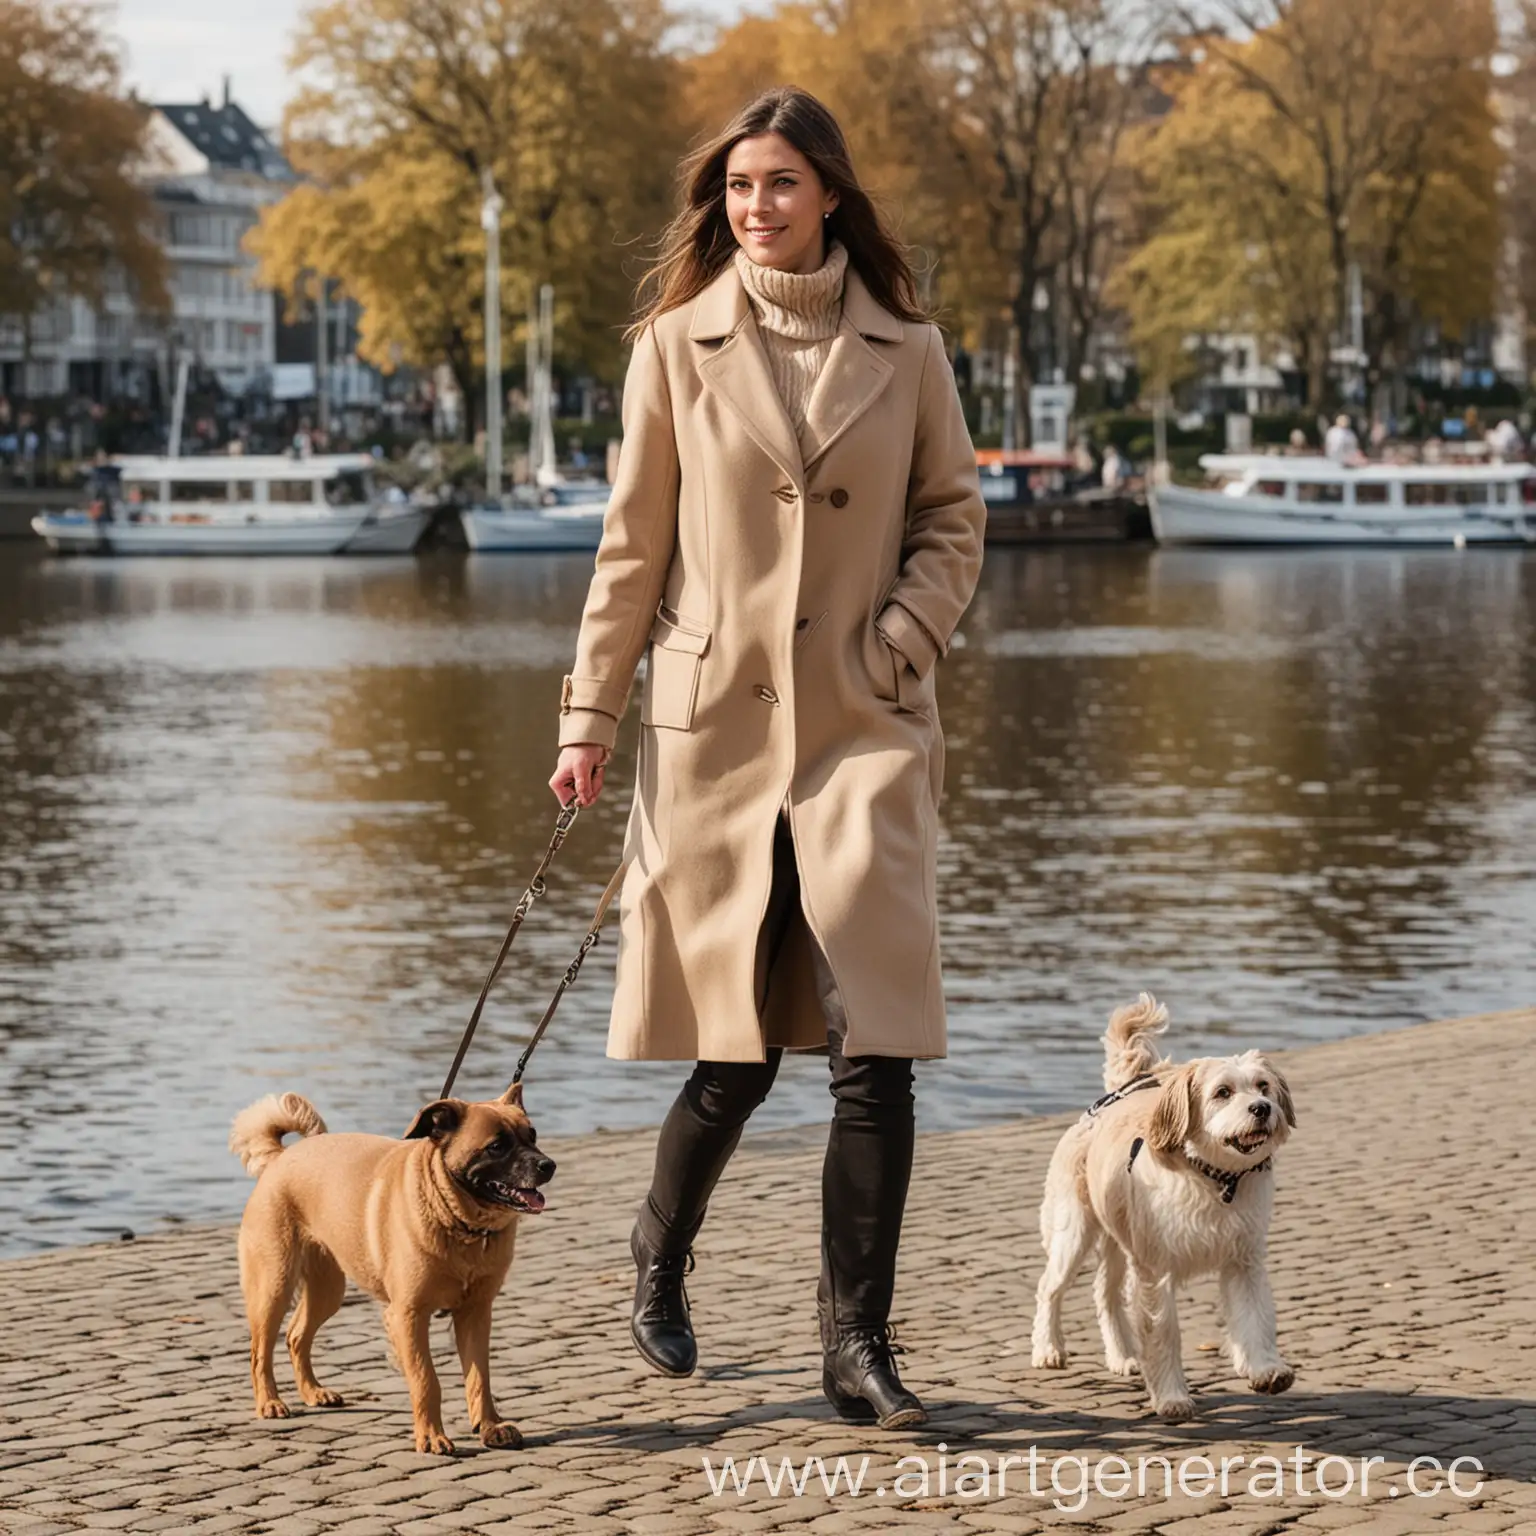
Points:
[[425, 1224]]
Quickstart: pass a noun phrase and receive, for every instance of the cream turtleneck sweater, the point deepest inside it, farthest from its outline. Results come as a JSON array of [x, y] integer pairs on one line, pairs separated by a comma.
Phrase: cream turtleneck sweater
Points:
[[798, 314]]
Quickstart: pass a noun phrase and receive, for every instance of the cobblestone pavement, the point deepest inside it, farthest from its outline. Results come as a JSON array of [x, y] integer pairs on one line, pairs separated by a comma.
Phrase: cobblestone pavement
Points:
[[1402, 1263]]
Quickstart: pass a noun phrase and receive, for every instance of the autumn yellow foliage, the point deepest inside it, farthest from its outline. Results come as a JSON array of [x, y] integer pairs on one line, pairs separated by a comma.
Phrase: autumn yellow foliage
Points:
[[71, 206], [568, 108], [1346, 133]]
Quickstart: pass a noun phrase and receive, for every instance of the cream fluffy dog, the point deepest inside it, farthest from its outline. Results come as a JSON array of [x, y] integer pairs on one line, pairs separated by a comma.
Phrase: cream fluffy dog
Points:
[[1167, 1177]]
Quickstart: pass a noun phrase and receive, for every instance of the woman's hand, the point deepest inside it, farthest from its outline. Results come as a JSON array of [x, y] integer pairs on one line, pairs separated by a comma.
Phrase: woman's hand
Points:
[[579, 772]]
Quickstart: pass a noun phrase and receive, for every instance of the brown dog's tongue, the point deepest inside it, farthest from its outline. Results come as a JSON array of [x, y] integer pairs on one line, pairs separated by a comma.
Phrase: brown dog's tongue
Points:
[[532, 1199]]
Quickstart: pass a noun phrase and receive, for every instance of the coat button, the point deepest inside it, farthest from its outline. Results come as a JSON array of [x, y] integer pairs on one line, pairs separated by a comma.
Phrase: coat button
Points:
[[767, 695], [839, 497]]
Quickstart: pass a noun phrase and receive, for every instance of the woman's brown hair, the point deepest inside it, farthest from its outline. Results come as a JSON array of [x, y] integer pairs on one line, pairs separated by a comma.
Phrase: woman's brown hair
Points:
[[698, 243]]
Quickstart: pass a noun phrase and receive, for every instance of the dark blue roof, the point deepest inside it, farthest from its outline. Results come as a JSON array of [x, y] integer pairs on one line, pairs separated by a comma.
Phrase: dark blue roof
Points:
[[227, 137]]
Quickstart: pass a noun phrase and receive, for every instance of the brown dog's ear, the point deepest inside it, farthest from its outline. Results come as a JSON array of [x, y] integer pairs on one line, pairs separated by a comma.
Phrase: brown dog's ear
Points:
[[438, 1119], [1177, 1115], [513, 1095], [1282, 1093]]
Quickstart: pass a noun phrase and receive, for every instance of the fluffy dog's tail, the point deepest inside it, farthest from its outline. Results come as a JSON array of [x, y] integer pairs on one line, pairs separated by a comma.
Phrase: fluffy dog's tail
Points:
[[1130, 1042], [256, 1137]]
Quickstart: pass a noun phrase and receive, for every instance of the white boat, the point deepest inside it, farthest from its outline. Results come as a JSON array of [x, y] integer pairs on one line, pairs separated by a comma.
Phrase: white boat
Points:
[[236, 505], [567, 516], [1275, 499]]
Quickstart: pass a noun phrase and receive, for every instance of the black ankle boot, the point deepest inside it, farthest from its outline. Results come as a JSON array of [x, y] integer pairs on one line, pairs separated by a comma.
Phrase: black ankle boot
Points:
[[858, 1375], [661, 1327]]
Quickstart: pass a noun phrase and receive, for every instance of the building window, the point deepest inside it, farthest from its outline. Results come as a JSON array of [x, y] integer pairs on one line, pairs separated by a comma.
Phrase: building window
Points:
[[1327, 492]]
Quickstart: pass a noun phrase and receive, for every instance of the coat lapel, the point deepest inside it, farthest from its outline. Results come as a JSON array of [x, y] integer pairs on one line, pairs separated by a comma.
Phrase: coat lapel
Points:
[[737, 370], [850, 383]]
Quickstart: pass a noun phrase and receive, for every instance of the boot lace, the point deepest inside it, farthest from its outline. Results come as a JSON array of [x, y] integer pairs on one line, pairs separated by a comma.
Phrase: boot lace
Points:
[[666, 1293], [876, 1343]]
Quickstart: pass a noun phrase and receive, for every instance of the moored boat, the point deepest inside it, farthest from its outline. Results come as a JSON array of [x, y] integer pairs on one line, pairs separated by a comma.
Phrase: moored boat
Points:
[[246, 505], [564, 516], [1275, 499]]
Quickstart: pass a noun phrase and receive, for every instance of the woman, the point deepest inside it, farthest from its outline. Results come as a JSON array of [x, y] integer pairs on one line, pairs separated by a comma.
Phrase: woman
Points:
[[795, 531]]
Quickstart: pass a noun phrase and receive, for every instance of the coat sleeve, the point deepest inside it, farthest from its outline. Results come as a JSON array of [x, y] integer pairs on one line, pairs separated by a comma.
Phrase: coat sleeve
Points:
[[946, 519], [639, 534]]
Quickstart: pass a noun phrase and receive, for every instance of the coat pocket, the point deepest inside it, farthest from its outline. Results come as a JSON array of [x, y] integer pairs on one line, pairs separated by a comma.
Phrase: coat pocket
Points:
[[672, 672], [896, 682]]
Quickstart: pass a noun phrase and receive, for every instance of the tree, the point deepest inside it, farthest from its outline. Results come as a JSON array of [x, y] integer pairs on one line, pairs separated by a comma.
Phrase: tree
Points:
[[566, 108], [71, 211], [1518, 189], [1037, 95], [1358, 133]]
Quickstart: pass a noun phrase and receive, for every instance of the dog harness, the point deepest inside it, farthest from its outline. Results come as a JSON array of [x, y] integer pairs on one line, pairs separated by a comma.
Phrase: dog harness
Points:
[[1226, 1178], [1222, 1176], [1146, 1080]]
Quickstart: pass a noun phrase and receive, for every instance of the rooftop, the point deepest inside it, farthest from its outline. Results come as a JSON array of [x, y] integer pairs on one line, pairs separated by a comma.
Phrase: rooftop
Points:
[[229, 139]]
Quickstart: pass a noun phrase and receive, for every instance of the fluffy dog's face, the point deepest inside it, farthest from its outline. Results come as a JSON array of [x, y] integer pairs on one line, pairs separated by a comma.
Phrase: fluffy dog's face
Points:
[[1230, 1111], [489, 1150]]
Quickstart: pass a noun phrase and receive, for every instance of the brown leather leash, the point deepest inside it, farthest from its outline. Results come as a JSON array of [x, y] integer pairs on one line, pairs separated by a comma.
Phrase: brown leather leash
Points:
[[536, 888]]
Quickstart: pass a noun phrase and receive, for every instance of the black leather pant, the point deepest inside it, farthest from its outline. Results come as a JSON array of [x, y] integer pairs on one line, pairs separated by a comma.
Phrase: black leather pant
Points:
[[868, 1162]]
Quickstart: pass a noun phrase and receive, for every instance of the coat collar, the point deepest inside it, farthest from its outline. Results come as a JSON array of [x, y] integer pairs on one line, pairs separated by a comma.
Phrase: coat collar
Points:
[[737, 370], [723, 305]]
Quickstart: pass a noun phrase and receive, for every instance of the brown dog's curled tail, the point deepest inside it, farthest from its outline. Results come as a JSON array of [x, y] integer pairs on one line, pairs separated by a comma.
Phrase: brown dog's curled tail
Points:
[[256, 1137], [1130, 1043]]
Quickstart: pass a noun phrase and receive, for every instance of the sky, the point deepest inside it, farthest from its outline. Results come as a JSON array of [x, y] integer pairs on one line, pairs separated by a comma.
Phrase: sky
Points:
[[180, 50]]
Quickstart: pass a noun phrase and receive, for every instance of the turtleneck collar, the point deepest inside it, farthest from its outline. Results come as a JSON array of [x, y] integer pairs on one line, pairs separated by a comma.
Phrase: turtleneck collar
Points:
[[804, 306]]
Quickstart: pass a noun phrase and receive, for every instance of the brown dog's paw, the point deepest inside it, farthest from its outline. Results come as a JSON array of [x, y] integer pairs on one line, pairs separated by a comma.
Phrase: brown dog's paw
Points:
[[433, 1442], [508, 1436], [323, 1397], [273, 1408]]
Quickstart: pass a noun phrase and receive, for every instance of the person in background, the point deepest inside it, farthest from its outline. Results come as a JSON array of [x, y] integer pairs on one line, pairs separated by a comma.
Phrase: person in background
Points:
[[1505, 443], [1113, 472], [1298, 441], [1341, 444]]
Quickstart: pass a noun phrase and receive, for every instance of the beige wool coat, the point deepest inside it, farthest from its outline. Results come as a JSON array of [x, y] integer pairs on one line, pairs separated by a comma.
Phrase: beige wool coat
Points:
[[791, 604]]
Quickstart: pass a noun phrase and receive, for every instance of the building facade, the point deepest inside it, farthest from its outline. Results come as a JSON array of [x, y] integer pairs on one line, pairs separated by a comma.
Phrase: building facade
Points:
[[210, 170]]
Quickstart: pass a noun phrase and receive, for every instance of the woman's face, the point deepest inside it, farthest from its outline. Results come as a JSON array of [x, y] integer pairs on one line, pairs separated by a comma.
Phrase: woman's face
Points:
[[776, 203]]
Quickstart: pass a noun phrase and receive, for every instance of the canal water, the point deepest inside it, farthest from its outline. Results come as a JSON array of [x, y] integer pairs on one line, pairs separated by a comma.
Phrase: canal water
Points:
[[262, 825]]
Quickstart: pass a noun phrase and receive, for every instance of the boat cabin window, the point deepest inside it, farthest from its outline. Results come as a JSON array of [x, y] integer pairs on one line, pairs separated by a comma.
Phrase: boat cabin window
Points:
[[199, 490], [1467, 493], [242, 490], [348, 490], [1269, 488], [1368, 494], [290, 491], [1501, 493], [1330, 491]]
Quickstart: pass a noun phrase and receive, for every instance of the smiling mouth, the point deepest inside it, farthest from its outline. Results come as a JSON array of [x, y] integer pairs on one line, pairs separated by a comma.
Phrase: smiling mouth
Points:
[[493, 1192], [1249, 1141]]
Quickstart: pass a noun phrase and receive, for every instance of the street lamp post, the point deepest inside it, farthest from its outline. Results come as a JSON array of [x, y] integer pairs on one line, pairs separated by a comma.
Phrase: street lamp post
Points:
[[490, 221]]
